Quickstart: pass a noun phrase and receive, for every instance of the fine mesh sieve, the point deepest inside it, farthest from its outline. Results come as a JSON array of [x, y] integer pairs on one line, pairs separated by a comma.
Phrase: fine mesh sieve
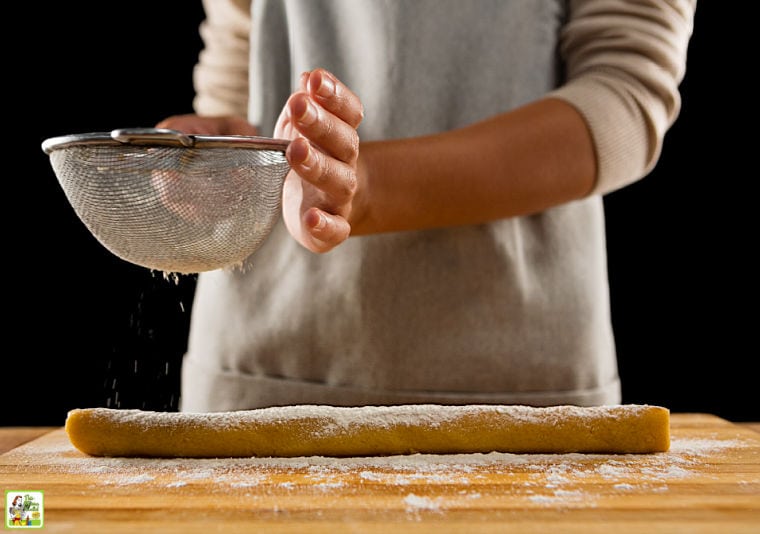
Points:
[[171, 201]]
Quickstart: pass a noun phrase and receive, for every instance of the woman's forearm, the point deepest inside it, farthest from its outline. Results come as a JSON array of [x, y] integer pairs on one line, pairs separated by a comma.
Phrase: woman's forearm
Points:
[[520, 162]]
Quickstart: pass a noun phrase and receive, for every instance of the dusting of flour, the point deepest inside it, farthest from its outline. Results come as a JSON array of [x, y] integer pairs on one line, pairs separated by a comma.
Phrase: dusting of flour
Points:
[[336, 417], [421, 483]]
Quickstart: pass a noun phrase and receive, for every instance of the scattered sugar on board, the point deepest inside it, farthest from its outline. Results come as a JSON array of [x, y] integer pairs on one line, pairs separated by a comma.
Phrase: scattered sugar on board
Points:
[[415, 502], [540, 479]]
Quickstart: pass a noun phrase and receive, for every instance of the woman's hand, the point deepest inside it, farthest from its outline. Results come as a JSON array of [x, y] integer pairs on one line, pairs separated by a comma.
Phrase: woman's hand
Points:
[[196, 124], [173, 187], [320, 119]]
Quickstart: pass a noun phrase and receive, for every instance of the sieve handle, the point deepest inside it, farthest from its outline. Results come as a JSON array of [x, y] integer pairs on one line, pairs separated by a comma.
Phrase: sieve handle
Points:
[[152, 136], [158, 136]]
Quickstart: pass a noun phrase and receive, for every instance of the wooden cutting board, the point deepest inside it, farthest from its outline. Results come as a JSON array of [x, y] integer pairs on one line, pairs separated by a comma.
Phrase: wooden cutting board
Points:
[[708, 482]]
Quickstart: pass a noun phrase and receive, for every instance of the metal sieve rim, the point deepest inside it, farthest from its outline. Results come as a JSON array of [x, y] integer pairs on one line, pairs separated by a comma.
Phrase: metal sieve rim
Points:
[[162, 137]]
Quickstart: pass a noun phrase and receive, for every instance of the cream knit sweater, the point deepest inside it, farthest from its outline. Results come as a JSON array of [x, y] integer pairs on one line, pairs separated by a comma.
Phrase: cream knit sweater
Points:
[[515, 311]]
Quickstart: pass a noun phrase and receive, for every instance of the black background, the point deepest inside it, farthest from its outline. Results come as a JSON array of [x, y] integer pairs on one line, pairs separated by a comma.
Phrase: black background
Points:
[[85, 328]]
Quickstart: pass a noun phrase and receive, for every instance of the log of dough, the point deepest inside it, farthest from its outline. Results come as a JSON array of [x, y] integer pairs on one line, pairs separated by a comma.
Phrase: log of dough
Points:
[[317, 430]]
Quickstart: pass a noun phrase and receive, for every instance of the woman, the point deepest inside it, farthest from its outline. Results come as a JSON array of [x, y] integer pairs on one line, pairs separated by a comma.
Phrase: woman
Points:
[[443, 228]]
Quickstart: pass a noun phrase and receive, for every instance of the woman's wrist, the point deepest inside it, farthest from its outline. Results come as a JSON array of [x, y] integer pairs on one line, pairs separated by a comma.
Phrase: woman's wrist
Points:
[[517, 163]]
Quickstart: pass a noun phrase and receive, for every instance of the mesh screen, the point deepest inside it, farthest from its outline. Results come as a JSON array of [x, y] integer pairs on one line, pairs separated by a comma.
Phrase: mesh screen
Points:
[[184, 210]]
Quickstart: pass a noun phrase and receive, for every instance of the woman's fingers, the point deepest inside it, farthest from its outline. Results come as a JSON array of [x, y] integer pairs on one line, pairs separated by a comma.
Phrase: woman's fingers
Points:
[[320, 119], [324, 129], [335, 97], [325, 230], [332, 176]]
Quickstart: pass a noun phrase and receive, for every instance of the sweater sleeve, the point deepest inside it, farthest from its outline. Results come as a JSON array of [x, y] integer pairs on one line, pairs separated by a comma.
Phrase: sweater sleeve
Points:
[[625, 61], [221, 74]]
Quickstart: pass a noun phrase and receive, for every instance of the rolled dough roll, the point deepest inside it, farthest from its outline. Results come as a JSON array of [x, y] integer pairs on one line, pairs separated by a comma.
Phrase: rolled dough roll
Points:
[[317, 430]]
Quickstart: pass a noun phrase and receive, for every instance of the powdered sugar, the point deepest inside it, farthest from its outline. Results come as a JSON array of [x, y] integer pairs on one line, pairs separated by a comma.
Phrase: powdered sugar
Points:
[[415, 502], [417, 483], [701, 446], [123, 480], [335, 418]]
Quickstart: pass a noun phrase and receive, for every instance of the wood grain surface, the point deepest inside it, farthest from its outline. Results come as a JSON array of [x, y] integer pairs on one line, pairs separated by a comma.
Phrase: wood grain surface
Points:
[[708, 482], [11, 437]]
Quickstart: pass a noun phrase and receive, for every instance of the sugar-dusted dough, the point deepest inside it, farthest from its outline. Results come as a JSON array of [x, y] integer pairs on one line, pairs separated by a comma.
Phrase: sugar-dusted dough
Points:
[[317, 430]]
